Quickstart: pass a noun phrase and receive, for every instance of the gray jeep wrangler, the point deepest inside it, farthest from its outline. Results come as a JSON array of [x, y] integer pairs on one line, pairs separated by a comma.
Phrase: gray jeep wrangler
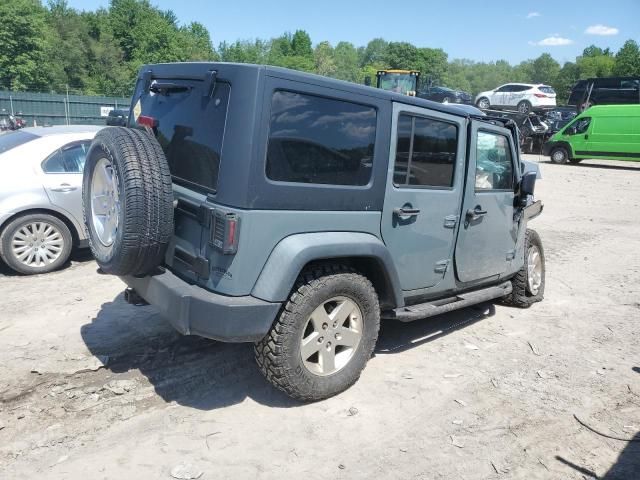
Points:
[[258, 204]]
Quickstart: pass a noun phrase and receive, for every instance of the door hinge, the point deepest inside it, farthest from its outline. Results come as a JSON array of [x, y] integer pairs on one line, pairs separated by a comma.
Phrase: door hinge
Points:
[[441, 266], [511, 254], [204, 215], [450, 221]]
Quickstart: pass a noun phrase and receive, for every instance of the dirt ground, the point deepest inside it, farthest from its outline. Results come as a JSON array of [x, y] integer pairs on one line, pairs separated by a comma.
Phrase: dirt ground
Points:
[[484, 393]]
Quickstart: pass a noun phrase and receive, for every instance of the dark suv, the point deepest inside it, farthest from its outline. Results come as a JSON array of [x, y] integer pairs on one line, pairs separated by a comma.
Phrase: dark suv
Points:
[[605, 91], [258, 204]]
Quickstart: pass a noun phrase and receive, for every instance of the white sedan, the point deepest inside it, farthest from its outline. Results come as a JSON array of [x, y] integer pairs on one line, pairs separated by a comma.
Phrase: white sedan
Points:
[[522, 97], [41, 195]]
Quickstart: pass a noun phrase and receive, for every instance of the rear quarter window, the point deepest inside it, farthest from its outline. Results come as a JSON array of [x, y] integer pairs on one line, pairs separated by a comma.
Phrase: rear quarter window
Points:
[[320, 140], [546, 89]]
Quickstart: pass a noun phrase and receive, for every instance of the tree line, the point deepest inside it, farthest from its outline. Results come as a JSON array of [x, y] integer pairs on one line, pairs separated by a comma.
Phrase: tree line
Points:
[[52, 47]]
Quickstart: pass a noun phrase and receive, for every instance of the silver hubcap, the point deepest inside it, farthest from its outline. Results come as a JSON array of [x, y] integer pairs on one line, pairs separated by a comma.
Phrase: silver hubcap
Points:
[[105, 202], [534, 270], [37, 244], [484, 104], [558, 156], [331, 336], [445, 100]]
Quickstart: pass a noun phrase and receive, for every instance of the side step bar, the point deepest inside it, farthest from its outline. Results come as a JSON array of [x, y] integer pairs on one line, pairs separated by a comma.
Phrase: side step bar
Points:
[[429, 309]]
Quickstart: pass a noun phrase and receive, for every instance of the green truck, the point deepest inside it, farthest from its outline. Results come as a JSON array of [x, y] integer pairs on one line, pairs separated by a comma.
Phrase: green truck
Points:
[[610, 132]]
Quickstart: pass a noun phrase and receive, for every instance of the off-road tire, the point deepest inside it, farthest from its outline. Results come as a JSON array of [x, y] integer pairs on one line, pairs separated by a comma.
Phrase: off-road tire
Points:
[[524, 106], [520, 295], [559, 155], [278, 353], [6, 250], [145, 217]]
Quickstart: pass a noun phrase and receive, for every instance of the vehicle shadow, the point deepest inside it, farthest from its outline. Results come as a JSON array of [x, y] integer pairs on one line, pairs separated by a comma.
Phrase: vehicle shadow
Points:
[[190, 370], [398, 337], [205, 374]]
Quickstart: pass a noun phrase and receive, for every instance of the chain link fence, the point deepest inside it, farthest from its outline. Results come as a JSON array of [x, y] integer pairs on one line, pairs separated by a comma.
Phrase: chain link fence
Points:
[[39, 109]]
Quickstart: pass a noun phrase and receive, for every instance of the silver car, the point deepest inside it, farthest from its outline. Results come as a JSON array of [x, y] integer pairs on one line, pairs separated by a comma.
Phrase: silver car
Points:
[[41, 195]]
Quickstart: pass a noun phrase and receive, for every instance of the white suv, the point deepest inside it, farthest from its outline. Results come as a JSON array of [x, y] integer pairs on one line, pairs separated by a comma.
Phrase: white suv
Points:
[[518, 96]]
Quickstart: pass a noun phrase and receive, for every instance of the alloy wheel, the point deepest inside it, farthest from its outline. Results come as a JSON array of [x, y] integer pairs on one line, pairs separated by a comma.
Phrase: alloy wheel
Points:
[[534, 270], [331, 336], [105, 202]]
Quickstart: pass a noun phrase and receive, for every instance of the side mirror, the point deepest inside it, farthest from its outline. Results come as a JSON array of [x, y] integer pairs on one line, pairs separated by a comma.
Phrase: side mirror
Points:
[[527, 184]]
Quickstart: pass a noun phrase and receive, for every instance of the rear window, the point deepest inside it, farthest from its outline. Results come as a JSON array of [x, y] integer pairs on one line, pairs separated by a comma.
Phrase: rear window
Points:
[[190, 129], [546, 89], [320, 140], [12, 140]]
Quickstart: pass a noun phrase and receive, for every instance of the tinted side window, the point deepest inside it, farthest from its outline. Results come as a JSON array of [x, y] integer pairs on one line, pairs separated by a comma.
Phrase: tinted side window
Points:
[[494, 166], [425, 152], [320, 140], [67, 160]]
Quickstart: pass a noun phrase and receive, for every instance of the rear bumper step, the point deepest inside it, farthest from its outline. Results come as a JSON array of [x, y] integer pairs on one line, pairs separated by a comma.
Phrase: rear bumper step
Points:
[[429, 309]]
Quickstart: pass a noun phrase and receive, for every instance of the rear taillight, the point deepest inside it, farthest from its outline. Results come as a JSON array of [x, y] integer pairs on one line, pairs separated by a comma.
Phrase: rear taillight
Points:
[[225, 231], [145, 121], [539, 95]]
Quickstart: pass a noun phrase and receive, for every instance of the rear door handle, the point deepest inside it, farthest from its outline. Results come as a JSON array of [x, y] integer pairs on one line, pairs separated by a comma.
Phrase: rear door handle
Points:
[[64, 187], [586, 136], [476, 213], [406, 212]]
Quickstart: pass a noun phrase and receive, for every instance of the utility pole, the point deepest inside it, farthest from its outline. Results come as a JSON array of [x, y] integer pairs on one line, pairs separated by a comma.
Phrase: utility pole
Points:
[[68, 106]]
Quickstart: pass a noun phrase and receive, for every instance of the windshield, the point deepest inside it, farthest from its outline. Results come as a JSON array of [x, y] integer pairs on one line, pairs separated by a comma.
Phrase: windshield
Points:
[[398, 82], [12, 140]]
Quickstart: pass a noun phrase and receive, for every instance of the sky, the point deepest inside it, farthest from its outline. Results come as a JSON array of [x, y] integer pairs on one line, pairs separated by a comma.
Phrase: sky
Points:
[[473, 29]]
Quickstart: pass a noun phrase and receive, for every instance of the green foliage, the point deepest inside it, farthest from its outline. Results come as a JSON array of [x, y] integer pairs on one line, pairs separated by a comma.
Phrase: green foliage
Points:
[[628, 59], [24, 47], [47, 48]]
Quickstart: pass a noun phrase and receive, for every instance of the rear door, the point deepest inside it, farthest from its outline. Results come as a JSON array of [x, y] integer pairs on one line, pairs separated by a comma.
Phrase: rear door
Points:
[[487, 238], [423, 193], [62, 177], [188, 118]]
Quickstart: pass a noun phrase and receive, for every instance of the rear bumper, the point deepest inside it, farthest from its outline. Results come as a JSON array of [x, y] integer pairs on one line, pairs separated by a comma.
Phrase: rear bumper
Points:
[[195, 311]]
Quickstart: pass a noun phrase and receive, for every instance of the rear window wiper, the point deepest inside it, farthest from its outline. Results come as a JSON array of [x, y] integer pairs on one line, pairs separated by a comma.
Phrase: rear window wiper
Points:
[[164, 88]]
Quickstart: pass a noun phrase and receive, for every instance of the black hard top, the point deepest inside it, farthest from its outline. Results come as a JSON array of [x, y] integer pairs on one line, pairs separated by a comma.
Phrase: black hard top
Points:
[[198, 69]]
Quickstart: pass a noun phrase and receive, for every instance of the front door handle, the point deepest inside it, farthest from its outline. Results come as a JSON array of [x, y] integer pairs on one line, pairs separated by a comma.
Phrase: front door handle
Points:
[[64, 187], [476, 213], [586, 136], [406, 212]]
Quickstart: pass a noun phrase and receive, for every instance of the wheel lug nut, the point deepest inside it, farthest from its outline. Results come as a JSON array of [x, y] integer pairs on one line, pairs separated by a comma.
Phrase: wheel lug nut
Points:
[[338, 336], [325, 326], [328, 345], [321, 339]]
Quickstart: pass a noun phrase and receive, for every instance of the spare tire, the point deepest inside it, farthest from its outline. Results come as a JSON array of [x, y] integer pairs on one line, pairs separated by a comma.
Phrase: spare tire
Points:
[[127, 201]]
